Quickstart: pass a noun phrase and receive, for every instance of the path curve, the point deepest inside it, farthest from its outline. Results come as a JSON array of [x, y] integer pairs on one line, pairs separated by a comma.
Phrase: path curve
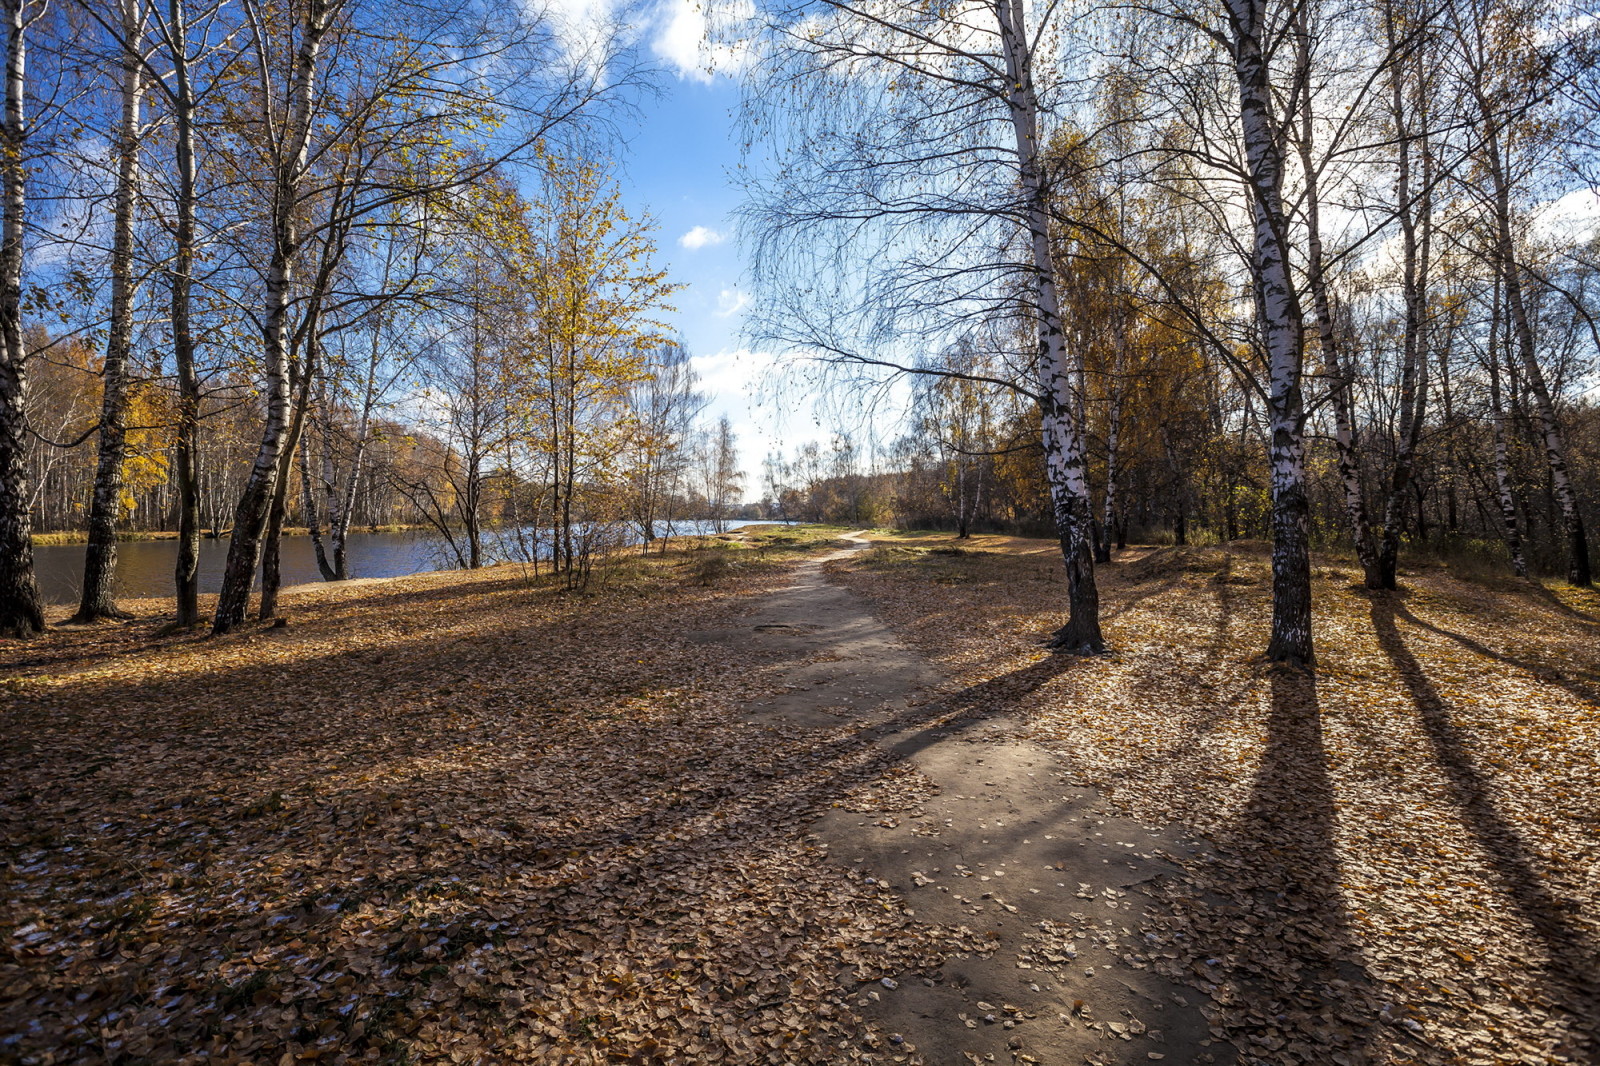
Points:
[[1006, 847]]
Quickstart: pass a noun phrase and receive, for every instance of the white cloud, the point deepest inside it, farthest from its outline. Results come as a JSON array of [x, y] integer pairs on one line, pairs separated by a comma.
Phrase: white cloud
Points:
[[701, 236], [751, 389], [730, 302], [682, 37], [1574, 216], [733, 372]]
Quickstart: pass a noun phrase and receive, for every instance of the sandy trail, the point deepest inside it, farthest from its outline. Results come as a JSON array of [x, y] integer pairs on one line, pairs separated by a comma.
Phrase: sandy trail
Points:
[[1006, 847]]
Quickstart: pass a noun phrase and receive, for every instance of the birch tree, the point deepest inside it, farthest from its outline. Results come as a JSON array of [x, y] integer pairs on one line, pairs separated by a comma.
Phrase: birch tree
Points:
[[723, 478], [286, 125], [460, 67], [100, 558], [592, 297], [663, 408], [21, 613], [1504, 70], [911, 198]]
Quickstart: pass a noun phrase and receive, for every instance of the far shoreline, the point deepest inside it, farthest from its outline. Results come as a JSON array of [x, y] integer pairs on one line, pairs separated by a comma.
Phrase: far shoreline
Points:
[[57, 538]]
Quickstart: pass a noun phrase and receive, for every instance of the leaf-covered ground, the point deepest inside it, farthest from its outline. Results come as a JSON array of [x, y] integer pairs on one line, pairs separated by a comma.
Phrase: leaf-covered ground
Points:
[[1405, 845], [451, 818], [462, 818]]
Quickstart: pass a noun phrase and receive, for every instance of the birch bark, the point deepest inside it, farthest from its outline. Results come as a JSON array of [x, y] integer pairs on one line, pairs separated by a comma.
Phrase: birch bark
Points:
[[21, 614], [1119, 368], [271, 570], [1554, 440], [1415, 212], [1338, 376], [1505, 493], [1282, 328], [290, 157], [186, 571], [1059, 369], [100, 557]]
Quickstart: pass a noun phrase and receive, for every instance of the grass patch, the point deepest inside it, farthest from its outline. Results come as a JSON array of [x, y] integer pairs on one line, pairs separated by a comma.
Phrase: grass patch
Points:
[[78, 536]]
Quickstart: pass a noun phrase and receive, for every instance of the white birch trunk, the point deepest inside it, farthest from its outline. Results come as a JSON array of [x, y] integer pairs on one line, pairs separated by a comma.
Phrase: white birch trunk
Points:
[[1059, 369], [1334, 369], [1555, 447], [1505, 494], [21, 614], [250, 517], [1281, 327], [1414, 285], [100, 557]]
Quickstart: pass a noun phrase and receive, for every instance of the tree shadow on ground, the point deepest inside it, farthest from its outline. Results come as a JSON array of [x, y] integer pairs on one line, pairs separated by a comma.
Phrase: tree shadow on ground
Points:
[[1571, 962], [1275, 879], [1209, 708], [1390, 608], [231, 789], [1547, 596]]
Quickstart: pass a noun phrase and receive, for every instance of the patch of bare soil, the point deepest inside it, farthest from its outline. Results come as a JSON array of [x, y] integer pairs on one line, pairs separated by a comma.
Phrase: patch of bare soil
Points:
[[1401, 849]]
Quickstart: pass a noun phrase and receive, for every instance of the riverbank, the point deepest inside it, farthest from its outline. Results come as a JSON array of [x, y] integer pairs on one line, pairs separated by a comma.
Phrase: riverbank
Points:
[[145, 568], [135, 536], [466, 816]]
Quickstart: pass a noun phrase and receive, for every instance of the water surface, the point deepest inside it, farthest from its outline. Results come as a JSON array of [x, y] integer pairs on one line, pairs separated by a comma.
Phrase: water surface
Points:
[[144, 567]]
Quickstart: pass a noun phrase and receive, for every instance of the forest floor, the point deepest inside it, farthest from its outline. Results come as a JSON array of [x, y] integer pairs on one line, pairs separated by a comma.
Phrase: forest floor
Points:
[[1401, 851], [721, 809]]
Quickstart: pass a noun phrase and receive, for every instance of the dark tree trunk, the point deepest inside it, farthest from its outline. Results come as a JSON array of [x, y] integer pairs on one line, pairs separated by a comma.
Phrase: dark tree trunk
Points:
[[1414, 354], [1505, 495], [100, 557], [1100, 538], [1335, 370], [186, 570], [1180, 488], [1553, 439], [308, 503], [1081, 633], [271, 569]]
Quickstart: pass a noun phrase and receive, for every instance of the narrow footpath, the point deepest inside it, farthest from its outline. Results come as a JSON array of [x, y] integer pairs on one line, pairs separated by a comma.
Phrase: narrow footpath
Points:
[[1001, 844]]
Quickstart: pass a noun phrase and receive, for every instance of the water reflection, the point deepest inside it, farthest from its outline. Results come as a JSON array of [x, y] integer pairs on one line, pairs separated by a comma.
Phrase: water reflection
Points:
[[144, 567]]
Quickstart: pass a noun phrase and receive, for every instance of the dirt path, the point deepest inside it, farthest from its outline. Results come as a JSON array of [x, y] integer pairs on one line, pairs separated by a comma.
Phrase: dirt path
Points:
[[1003, 845]]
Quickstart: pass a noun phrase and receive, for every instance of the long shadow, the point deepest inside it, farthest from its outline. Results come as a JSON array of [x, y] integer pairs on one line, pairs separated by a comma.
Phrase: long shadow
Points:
[[1572, 963], [1392, 609], [1202, 717], [719, 810], [1304, 957], [1128, 603], [78, 646], [1551, 600]]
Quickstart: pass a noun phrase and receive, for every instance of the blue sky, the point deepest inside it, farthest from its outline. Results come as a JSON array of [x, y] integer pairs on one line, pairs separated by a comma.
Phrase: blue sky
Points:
[[677, 165]]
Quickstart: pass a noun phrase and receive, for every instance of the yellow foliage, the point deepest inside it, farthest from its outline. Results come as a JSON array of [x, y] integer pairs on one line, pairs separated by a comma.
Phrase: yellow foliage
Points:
[[146, 462]]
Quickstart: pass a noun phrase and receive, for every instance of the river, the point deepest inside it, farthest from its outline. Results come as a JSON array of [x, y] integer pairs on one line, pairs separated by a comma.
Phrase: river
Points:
[[144, 567]]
